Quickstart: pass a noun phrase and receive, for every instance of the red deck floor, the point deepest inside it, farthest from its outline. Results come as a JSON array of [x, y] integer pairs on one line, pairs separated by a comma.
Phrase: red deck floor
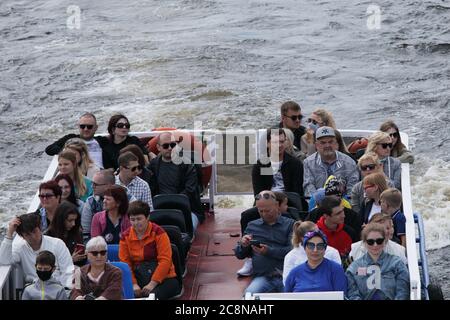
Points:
[[211, 264]]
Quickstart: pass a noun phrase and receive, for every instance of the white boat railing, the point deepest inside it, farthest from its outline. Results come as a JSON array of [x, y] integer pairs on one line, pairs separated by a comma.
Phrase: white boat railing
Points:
[[415, 281]]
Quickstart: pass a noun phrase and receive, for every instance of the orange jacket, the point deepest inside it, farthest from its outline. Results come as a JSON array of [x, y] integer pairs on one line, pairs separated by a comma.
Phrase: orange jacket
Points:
[[155, 245]]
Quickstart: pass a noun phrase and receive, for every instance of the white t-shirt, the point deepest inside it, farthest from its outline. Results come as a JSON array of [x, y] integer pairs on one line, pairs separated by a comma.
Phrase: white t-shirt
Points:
[[297, 256], [375, 209], [95, 152]]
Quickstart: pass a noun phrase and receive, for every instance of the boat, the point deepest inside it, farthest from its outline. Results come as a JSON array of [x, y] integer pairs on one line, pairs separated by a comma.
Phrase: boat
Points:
[[211, 264]]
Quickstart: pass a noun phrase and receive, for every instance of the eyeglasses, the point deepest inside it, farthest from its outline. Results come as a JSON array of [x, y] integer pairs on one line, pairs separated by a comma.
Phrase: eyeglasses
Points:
[[313, 121], [294, 118], [123, 125], [266, 196], [94, 184], [320, 246], [394, 135], [87, 126], [385, 145], [133, 169], [368, 167], [378, 241], [96, 253], [167, 145], [369, 186], [46, 196]]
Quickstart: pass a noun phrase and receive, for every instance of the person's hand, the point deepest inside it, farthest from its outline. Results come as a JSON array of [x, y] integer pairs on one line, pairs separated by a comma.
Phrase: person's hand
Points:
[[12, 226], [149, 288], [245, 241], [137, 290], [78, 256], [261, 250]]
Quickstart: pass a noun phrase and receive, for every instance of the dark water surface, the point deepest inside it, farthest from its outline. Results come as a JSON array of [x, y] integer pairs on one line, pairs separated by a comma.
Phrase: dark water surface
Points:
[[229, 64]]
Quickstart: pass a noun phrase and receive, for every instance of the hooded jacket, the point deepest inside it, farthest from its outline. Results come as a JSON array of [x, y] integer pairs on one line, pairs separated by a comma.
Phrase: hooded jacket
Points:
[[341, 238], [44, 290]]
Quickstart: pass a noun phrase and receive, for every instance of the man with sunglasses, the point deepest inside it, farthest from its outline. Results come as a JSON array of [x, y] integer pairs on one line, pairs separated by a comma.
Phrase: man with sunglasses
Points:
[[291, 118], [266, 240], [169, 177], [128, 178], [87, 125], [328, 161], [23, 249]]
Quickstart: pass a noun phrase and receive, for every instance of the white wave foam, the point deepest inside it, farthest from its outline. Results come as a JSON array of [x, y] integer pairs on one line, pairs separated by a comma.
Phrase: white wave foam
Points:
[[431, 197]]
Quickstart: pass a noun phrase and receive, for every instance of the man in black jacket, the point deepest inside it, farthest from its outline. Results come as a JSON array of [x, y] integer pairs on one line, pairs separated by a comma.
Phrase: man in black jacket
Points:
[[173, 178], [291, 118], [87, 124], [280, 171]]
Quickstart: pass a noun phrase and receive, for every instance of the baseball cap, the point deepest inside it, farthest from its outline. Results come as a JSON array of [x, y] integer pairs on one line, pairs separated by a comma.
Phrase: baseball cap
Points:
[[325, 132]]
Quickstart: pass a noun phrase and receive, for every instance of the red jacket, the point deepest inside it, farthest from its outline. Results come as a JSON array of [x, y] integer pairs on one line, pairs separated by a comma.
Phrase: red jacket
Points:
[[341, 238]]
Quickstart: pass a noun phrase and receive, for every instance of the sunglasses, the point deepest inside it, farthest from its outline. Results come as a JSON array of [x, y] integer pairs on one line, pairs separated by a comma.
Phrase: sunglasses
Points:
[[378, 241], [167, 145], [87, 126], [394, 135], [96, 253], [46, 196], [266, 196], [385, 145], [314, 122], [294, 118], [133, 169], [98, 184], [123, 125], [369, 186], [320, 246], [368, 167]]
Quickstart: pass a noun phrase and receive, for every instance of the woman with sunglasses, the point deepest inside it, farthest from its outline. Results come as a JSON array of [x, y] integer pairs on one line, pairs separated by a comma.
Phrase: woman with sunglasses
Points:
[[67, 226], [374, 184], [87, 166], [67, 164], [99, 279], [119, 128], [49, 197], [367, 164], [113, 221], [398, 150], [377, 275], [380, 143], [317, 273], [65, 182]]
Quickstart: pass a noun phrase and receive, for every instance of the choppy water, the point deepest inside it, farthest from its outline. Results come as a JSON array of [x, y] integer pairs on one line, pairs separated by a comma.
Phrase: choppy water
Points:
[[226, 63]]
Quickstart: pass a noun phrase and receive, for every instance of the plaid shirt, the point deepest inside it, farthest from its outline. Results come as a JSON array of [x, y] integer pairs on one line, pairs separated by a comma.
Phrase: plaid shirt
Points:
[[138, 188]]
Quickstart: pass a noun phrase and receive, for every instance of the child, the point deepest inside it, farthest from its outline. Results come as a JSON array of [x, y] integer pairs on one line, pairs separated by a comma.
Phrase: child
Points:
[[391, 202], [45, 287]]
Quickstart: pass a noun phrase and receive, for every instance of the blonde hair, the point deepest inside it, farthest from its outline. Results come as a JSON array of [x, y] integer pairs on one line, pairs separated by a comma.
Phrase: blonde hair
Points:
[[371, 156], [372, 227], [392, 196], [81, 147], [299, 230], [78, 179], [326, 116], [290, 139], [375, 139], [378, 179]]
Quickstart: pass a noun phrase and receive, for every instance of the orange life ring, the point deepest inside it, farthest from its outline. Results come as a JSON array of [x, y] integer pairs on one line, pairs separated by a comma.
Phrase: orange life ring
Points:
[[188, 142], [358, 144]]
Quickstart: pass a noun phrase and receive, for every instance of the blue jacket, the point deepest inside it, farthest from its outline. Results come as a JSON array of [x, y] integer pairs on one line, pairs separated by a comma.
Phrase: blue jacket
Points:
[[389, 275], [327, 276]]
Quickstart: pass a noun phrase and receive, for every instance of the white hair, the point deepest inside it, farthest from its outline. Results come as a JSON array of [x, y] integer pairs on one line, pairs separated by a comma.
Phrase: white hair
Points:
[[96, 243]]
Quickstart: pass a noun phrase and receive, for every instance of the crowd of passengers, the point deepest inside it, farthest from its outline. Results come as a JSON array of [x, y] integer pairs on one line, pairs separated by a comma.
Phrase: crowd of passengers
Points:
[[342, 231]]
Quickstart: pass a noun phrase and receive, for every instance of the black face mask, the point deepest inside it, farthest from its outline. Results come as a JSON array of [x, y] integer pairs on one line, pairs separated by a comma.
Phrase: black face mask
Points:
[[44, 275]]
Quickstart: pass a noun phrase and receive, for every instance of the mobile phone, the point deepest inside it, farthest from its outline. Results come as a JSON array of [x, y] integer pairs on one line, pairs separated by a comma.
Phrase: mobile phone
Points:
[[255, 243], [79, 248]]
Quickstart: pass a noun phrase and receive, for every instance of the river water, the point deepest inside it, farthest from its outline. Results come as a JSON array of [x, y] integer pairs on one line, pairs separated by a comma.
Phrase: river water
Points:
[[228, 64]]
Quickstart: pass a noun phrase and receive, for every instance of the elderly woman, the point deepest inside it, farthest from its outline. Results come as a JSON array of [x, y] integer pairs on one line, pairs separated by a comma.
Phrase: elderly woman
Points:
[[146, 248], [98, 280], [381, 144], [398, 150], [317, 273], [118, 128], [377, 275], [367, 164], [297, 255], [113, 221]]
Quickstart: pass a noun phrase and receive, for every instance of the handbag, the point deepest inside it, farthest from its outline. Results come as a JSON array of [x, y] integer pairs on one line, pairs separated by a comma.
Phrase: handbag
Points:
[[144, 271]]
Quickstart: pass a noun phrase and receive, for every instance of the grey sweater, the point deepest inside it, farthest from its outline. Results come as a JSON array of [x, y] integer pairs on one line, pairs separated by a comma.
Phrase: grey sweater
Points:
[[44, 290]]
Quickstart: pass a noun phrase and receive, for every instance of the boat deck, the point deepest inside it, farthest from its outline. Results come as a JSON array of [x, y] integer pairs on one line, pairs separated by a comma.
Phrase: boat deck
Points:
[[211, 263]]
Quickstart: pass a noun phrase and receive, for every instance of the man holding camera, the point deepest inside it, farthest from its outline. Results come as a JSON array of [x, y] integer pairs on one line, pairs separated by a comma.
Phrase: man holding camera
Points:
[[267, 240]]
